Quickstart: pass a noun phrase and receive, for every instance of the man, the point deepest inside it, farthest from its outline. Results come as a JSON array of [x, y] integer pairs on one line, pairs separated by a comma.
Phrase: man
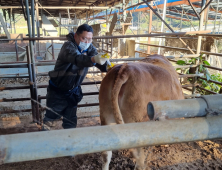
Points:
[[64, 91]]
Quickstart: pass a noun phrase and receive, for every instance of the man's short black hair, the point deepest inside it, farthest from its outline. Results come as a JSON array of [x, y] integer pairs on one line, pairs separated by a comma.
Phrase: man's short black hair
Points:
[[84, 27]]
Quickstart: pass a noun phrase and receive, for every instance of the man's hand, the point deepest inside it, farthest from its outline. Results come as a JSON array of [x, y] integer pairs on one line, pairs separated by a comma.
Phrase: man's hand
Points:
[[99, 59]]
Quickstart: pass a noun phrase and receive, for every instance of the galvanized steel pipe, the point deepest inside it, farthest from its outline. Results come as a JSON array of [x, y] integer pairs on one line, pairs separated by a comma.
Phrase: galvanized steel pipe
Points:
[[184, 108], [58, 143]]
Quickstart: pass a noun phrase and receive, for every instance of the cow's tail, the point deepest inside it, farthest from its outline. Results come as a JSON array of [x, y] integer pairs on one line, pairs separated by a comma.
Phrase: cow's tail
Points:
[[121, 78]]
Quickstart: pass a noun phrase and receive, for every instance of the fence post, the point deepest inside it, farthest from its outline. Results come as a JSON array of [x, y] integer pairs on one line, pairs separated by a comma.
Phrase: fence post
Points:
[[31, 83]]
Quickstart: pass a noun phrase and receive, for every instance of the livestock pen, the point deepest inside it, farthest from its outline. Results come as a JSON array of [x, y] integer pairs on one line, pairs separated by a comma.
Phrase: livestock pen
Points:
[[168, 144]]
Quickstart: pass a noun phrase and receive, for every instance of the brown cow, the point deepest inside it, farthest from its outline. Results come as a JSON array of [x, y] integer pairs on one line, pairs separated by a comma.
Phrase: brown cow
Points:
[[128, 88]]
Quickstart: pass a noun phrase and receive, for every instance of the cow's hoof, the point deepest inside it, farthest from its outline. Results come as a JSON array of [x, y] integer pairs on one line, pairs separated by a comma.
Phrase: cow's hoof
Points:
[[139, 168]]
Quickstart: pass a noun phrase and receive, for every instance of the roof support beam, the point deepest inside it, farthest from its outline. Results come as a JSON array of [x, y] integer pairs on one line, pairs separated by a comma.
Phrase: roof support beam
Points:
[[198, 6], [186, 13], [60, 7], [198, 16]]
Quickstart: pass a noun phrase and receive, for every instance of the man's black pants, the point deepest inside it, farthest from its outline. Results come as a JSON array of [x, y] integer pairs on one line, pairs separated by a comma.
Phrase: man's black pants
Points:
[[62, 105]]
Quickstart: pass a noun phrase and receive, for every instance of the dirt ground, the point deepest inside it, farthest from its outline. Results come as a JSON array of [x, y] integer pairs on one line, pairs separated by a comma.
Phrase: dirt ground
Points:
[[192, 155]]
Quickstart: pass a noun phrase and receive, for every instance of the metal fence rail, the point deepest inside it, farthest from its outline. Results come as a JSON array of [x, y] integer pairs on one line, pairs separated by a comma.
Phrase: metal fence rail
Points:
[[25, 146]]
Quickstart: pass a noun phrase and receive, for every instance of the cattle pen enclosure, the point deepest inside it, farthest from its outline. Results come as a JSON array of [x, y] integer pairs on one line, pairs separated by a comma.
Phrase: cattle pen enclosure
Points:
[[186, 135]]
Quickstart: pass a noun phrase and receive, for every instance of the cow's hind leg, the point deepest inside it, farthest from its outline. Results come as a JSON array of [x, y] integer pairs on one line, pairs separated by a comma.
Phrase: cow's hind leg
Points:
[[106, 159], [107, 155], [139, 155]]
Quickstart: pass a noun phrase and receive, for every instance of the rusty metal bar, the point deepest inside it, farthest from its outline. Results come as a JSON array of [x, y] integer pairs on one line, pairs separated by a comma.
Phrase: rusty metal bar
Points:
[[31, 33], [176, 48], [40, 111], [102, 45], [40, 97], [205, 7], [15, 111], [107, 51], [175, 56], [14, 99], [162, 46], [187, 88], [216, 82], [39, 74], [210, 53], [29, 110], [214, 68], [107, 43], [53, 63], [198, 16], [31, 83], [84, 117], [53, 54], [198, 33], [16, 49], [84, 83], [41, 61], [111, 48], [212, 92], [126, 36], [14, 66], [180, 76], [63, 38], [43, 86]]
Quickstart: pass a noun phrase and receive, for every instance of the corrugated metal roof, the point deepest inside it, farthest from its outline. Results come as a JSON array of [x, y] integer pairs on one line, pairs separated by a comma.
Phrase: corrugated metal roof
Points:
[[81, 13]]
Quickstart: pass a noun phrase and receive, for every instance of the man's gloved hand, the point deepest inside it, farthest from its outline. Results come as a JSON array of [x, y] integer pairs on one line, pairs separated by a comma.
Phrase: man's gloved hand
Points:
[[103, 68], [100, 59]]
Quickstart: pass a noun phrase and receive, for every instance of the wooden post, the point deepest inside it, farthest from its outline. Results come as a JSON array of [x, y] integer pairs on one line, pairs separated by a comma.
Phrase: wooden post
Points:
[[53, 55], [150, 28]]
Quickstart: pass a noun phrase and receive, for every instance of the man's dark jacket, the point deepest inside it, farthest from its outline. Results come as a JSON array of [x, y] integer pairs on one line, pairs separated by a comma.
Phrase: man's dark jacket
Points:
[[72, 66]]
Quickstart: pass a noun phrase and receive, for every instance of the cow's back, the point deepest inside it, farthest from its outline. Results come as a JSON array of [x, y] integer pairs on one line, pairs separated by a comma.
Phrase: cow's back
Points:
[[142, 82]]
